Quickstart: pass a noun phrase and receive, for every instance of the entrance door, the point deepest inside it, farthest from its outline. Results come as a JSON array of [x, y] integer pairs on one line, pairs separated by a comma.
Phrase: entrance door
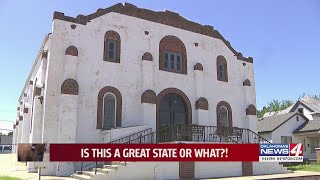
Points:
[[172, 111]]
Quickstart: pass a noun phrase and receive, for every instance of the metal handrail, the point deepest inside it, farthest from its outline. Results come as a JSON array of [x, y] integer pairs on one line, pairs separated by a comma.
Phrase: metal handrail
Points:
[[120, 141], [193, 132]]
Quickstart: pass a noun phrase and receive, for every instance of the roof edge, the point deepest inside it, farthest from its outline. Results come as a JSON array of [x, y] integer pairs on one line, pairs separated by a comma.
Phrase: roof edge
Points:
[[306, 120], [299, 102], [167, 18], [34, 64]]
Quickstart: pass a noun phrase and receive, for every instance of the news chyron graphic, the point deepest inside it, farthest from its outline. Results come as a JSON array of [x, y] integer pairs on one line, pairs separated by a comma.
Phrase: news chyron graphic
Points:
[[281, 153]]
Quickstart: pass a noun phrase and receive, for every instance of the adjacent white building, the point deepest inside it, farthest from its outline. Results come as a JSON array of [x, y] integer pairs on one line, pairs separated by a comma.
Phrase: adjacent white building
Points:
[[121, 70], [299, 123]]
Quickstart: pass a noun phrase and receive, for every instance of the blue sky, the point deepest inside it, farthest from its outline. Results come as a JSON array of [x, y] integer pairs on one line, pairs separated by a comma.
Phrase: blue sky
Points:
[[283, 37]]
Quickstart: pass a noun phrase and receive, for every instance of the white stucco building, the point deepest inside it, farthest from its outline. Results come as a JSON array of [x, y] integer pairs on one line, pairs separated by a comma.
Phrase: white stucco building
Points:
[[121, 70]]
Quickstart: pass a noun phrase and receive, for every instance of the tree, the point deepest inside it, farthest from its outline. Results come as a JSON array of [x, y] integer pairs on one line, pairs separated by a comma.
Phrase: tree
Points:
[[10, 133], [275, 106]]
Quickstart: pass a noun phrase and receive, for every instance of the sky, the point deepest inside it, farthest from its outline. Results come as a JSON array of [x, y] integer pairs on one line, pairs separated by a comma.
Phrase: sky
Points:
[[283, 37]]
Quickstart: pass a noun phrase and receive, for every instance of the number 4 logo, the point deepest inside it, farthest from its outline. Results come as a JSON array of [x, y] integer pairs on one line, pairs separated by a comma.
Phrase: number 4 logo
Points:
[[296, 150]]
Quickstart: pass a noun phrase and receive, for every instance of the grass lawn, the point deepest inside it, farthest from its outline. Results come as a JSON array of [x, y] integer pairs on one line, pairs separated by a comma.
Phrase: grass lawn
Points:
[[308, 167], [8, 178]]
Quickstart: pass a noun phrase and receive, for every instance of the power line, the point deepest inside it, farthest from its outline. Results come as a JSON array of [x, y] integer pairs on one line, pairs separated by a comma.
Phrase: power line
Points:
[[6, 129]]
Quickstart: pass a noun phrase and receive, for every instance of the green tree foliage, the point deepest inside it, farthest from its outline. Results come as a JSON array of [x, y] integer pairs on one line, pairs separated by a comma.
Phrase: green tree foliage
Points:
[[274, 105]]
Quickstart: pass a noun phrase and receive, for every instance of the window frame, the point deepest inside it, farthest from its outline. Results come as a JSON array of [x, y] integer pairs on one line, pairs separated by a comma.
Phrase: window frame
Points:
[[175, 61], [174, 45], [100, 106], [286, 138], [316, 140], [229, 113], [112, 36], [114, 50], [227, 117], [222, 62], [115, 110]]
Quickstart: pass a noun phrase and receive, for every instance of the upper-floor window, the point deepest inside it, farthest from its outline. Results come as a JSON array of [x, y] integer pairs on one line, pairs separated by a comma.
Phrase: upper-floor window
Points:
[[112, 45], [112, 50], [172, 55], [222, 70], [172, 61]]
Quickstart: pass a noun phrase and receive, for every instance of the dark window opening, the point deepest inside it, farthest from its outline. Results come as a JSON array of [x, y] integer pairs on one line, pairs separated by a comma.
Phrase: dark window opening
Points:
[[172, 61], [112, 50]]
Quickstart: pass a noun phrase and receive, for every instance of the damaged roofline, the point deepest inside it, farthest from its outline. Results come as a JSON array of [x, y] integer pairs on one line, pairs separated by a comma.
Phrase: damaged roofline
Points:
[[168, 18], [34, 65]]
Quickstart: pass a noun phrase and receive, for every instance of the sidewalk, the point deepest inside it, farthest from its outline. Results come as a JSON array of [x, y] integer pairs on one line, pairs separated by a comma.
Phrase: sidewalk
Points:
[[297, 175], [10, 167]]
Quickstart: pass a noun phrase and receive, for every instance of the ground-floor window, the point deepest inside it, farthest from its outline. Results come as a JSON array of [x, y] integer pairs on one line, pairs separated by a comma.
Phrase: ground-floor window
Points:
[[314, 143], [286, 139]]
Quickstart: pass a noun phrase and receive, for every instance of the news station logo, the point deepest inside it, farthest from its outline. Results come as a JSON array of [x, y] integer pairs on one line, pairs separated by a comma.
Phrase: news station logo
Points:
[[281, 153]]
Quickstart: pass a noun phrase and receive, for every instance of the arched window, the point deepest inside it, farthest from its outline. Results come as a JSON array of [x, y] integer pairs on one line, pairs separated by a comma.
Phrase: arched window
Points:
[[224, 115], [222, 69], [172, 55], [109, 111], [109, 108], [112, 45]]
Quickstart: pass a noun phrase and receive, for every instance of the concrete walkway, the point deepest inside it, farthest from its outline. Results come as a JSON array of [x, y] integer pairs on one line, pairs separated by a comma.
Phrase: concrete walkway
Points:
[[10, 167], [297, 175]]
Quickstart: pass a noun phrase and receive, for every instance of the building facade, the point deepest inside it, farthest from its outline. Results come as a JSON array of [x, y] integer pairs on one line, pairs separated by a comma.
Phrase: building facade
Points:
[[123, 69]]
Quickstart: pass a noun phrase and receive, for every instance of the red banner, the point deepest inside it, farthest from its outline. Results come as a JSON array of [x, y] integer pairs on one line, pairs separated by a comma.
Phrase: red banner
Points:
[[154, 152]]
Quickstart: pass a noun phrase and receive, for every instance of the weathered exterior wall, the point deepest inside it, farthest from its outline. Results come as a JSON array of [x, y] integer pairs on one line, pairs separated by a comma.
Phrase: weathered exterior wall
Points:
[[132, 76], [217, 169], [260, 168], [144, 170], [111, 135], [93, 73]]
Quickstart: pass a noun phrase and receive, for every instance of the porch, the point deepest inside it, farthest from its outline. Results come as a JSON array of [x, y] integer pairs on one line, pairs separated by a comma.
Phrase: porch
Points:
[[310, 141]]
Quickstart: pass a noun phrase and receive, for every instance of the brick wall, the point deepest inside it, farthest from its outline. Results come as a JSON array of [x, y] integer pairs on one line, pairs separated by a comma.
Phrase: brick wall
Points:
[[247, 169], [186, 170]]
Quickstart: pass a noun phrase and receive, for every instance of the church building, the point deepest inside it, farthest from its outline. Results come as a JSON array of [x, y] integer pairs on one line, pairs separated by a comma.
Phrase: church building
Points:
[[124, 72]]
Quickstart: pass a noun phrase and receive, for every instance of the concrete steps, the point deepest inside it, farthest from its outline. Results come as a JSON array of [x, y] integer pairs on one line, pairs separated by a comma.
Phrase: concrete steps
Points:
[[81, 176], [101, 170]]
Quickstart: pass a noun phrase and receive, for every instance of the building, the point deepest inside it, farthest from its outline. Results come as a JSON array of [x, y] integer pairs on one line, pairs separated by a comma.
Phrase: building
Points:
[[5, 139], [124, 70], [299, 123], [5, 143]]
